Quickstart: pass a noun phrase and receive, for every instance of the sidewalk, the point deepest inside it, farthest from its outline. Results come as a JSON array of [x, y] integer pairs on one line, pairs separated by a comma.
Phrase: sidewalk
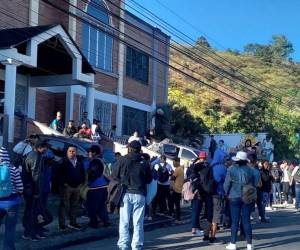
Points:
[[58, 240]]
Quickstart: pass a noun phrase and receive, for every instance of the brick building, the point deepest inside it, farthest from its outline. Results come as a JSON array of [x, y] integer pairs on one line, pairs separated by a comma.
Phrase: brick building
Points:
[[67, 56]]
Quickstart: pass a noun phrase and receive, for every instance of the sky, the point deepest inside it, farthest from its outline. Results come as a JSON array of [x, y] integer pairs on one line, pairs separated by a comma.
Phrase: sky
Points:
[[229, 23]]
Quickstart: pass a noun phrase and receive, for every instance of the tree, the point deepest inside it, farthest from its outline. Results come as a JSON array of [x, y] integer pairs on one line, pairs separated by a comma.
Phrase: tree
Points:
[[202, 42], [281, 48]]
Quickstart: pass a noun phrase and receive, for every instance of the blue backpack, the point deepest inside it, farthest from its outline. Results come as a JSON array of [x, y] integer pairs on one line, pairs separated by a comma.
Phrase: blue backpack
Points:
[[5, 181]]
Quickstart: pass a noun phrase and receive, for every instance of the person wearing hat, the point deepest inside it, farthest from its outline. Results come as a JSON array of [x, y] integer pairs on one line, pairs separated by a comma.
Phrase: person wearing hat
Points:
[[134, 174], [199, 170], [238, 176]]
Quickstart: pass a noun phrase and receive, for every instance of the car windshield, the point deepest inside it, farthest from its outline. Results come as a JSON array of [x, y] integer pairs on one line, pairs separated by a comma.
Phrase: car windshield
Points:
[[196, 151]]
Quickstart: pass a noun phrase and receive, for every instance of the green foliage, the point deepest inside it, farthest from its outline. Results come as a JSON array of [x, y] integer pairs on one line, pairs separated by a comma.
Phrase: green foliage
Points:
[[279, 48], [202, 42]]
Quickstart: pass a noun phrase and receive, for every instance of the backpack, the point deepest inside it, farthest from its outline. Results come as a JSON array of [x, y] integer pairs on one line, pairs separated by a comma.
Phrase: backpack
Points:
[[6, 186], [163, 173], [249, 192], [207, 183], [187, 191], [297, 176]]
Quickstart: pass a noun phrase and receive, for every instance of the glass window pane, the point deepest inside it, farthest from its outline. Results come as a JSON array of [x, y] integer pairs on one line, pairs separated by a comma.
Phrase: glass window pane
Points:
[[101, 49], [93, 46], [108, 53]]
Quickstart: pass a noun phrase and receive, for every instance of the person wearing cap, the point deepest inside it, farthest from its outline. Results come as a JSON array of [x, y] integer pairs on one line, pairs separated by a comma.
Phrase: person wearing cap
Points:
[[32, 176], [134, 174], [200, 169], [9, 205], [239, 175]]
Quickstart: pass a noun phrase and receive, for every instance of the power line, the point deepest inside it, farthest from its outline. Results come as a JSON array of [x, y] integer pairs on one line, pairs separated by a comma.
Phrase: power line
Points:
[[206, 49]]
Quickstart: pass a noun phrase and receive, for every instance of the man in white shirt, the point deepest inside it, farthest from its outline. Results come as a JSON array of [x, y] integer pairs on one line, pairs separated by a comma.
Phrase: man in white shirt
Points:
[[164, 173], [296, 177]]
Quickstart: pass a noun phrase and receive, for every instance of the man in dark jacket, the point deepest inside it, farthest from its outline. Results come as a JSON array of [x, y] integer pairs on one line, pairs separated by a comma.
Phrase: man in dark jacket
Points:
[[72, 176], [32, 176], [266, 188], [134, 173], [277, 176]]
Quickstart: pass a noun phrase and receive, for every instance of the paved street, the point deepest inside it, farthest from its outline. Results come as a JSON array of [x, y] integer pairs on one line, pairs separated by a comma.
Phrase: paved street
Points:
[[282, 233]]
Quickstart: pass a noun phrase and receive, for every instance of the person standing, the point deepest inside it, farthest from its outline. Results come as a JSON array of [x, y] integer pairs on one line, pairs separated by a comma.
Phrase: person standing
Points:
[[72, 176], [212, 146], [266, 188], [57, 124], [237, 177], [134, 174], [32, 176], [277, 176], [286, 180], [97, 194], [85, 120], [219, 175], [10, 198], [198, 171], [70, 130], [164, 172], [176, 189], [296, 178]]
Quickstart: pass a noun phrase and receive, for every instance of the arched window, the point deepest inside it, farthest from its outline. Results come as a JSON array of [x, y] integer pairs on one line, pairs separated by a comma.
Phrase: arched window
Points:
[[97, 44]]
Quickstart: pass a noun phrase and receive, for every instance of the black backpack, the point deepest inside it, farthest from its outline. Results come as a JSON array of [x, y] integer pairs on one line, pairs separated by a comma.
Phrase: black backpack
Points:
[[277, 174], [163, 173], [203, 180], [297, 176]]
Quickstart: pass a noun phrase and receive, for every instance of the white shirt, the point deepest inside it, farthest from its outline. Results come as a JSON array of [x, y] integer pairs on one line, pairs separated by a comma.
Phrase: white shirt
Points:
[[168, 166], [133, 138], [286, 177]]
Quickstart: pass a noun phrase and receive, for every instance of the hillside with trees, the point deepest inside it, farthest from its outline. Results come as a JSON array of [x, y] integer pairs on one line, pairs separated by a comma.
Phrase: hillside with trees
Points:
[[263, 77]]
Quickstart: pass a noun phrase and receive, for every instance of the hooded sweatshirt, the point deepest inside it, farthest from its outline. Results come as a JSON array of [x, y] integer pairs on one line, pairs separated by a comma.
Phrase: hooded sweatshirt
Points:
[[219, 171]]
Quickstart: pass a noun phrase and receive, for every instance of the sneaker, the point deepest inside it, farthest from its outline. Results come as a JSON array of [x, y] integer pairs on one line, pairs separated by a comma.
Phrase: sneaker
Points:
[[250, 247], [264, 221], [41, 236], [198, 232], [206, 238], [74, 226], [62, 228], [269, 208], [25, 237], [34, 238], [150, 218], [231, 246], [215, 241]]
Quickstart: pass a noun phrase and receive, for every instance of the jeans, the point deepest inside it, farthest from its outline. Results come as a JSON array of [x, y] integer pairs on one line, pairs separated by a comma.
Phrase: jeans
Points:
[[30, 229], [197, 205], [297, 190], [132, 205], [264, 202], [276, 189], [69, 201], [239, 210], [286, 190], [96, 206], [10, 216]]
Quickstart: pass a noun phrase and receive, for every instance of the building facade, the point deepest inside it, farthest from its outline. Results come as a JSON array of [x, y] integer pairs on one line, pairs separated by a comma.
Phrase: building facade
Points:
[[81, 55]]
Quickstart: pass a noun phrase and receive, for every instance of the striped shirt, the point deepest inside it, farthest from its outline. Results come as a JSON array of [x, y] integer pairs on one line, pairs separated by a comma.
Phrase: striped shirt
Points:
[[16, 180]]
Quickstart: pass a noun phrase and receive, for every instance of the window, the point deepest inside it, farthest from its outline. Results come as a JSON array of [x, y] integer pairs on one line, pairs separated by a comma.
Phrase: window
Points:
[[188, 155], [137, 65], [134, 120], [97, 45], [21, 93], [102, 112]]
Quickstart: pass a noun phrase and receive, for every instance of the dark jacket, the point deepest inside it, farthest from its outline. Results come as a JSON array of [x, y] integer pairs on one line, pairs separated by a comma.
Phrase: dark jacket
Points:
[[277, 174], [194, 173], [71, 175], [32, 173], [266, 179], [133, 172], [70, 131]]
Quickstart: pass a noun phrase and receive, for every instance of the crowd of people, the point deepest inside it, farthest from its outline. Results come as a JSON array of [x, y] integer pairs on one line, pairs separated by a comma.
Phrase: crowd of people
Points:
[[222, 191]]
